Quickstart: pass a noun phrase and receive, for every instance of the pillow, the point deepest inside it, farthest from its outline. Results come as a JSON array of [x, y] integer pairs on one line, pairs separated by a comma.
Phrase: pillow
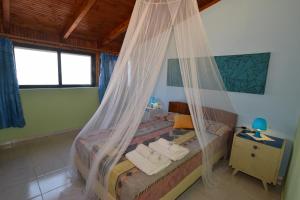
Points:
[[170, 117], [216, 128], [183, 121]]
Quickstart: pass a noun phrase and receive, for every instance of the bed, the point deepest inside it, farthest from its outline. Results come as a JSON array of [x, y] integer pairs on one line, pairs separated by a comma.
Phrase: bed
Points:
[[127, 182]]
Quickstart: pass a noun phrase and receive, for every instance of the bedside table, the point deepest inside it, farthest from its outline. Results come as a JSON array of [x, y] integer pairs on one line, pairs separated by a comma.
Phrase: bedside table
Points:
[[150, 112], [260, 159]]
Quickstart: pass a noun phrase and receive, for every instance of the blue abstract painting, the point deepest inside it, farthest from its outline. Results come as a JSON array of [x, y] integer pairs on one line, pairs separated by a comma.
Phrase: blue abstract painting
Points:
[[245, 73]]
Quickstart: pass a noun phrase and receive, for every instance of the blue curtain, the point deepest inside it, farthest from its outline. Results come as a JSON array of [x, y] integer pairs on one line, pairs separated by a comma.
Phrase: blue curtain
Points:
[[11, 113], [106, 68]]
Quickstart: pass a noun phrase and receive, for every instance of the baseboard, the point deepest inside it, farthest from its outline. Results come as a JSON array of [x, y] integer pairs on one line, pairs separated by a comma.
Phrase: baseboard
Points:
[[280, 180], [14, 143]]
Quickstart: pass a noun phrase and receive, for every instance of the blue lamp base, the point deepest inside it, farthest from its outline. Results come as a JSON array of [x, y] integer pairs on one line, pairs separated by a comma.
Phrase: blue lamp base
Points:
[[257, 134]]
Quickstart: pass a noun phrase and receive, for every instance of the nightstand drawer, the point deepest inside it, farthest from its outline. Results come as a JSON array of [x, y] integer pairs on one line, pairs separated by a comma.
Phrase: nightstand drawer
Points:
[[256, 163], [261, 150]]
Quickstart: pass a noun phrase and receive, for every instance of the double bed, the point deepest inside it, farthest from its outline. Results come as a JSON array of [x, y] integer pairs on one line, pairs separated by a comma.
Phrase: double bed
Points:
[[128, 182]]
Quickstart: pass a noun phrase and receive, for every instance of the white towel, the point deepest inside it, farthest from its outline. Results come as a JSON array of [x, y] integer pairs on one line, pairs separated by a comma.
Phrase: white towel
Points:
[[174, 148], [152, 155], [147, 160], [168, 149]]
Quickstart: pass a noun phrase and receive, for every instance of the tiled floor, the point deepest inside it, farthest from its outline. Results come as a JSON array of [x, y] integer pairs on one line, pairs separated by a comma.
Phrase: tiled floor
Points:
[[35, 170], [39, 171], [228, 187]]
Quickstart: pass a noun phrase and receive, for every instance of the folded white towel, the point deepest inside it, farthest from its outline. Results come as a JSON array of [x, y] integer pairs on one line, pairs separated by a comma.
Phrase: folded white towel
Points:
[[144, 150], [147, 160], [152, 155], [140, 162], [174, 148], [168, 149]]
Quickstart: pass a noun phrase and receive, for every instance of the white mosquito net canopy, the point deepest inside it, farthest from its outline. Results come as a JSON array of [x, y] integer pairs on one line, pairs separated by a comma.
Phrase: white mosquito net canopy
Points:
[[153, 24]]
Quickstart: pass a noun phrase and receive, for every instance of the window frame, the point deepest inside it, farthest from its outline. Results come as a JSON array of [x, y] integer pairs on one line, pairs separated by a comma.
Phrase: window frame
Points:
[[59, 74]]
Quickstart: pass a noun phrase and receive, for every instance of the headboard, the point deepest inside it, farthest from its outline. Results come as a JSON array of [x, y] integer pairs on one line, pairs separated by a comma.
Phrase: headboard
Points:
[[228, 118], [179, 107]]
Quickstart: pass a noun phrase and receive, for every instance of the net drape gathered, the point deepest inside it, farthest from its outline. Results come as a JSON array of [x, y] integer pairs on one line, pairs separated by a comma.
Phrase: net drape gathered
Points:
[[153, 24]]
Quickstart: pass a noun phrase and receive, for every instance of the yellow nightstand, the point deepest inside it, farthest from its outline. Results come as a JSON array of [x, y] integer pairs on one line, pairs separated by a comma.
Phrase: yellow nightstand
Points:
[[260, 159]]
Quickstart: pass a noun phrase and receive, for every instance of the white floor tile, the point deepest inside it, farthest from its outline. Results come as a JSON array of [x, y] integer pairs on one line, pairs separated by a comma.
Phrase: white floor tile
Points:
[[37, 198], [11, 175], [54, 180], [22, 191], [54, 194]]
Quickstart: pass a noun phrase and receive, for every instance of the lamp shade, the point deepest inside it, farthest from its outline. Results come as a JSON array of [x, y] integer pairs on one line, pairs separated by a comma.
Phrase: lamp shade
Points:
[[259, 124], [152, 100]]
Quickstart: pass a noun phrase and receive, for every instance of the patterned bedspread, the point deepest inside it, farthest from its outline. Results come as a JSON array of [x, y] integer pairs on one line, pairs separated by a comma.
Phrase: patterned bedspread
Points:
[[148, 131], [128, 182]]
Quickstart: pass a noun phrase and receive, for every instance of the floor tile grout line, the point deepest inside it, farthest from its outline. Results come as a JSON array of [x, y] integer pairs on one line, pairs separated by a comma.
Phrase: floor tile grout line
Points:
[[20, 182], [38, 182], [45, 193], [52, 172], [40, 195], [63, 170]]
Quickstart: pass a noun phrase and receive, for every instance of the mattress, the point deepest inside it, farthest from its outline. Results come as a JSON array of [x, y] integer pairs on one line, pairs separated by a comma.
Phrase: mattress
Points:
[[128, 182]]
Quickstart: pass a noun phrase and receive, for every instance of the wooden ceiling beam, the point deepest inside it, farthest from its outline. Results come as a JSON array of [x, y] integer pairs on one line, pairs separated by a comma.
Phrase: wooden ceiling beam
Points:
[[80, 14], [116, 32], [206, 5], [121, 28], [6, 14]]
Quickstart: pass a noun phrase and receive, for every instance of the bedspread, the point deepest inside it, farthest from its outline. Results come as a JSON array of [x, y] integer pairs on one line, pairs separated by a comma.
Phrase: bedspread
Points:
[[128, 182]]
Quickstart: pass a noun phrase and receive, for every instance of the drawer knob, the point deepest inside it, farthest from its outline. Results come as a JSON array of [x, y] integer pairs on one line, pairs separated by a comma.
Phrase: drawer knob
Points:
[[252, 155], [254, 147]]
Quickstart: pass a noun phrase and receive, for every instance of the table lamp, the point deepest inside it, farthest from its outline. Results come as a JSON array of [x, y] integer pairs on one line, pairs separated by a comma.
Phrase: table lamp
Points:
[[154, 103], [259, 124]]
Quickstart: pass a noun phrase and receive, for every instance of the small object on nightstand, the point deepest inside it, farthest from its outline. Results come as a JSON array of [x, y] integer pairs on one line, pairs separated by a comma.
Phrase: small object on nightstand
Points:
[[150, 113], [153, 108], [258, 158], [154, 103]]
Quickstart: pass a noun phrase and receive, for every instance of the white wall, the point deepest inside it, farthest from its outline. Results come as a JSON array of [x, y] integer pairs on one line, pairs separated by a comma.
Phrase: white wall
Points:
[[255, 26]]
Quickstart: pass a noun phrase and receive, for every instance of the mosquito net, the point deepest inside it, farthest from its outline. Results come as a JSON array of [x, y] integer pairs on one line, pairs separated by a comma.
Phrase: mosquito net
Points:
[[153, 25]]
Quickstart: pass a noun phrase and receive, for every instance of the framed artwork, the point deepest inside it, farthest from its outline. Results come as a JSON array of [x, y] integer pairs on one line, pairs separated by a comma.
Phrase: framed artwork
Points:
[[245, 73]]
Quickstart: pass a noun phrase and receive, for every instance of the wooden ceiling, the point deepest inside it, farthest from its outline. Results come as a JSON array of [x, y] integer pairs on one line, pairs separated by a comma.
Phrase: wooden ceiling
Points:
[[90, 25]]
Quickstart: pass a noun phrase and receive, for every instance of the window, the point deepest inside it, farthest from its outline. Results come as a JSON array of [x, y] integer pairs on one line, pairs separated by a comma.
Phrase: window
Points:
[[76, 69], [36, 67], [53, 68]]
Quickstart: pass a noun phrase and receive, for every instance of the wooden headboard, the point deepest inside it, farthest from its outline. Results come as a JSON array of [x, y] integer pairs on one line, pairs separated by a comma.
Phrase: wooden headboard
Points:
[[179, 107]]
